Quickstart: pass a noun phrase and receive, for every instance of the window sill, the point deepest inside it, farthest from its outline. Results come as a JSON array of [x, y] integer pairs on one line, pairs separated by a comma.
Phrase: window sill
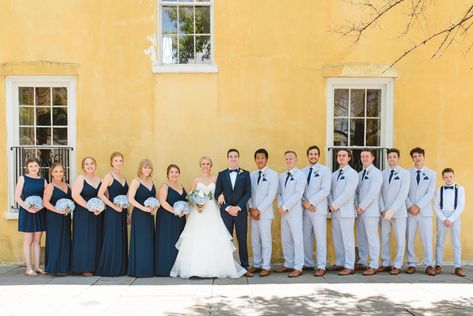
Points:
[[163, 69], [11, 215]]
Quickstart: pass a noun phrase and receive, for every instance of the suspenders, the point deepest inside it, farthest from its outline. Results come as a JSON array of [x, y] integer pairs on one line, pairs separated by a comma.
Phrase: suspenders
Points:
[[441, 197]]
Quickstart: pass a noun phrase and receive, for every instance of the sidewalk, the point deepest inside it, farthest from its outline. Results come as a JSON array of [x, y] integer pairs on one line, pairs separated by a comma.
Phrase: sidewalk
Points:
[[404, 294]]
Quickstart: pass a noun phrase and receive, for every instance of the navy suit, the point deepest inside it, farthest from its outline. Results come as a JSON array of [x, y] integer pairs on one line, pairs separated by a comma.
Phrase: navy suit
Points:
[[237, 196]]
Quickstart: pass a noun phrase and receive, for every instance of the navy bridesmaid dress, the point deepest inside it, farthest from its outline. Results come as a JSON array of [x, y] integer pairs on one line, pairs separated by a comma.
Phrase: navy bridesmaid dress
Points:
[[141, 259], [114, 255], [58, 236], [29, 222], [168, 230], [87, 234]]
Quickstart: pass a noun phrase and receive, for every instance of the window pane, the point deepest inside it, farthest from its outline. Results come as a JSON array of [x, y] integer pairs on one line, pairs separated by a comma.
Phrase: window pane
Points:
[[340, 132], [357, 103], [202, 49], [43, 96], [59, 116], [25, 95], [59, 136], [373, 132], [202, 20], [186, 49], [26, 136], [186, 20], [341, 102], [43, 116], [373, 103], [169, 18], [169, 49], [59, 96], [43, 136], [26, 116], [357, 132]]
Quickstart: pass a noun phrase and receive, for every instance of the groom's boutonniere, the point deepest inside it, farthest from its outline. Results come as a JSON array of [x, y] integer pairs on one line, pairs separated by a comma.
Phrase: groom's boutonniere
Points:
[[241, 171]]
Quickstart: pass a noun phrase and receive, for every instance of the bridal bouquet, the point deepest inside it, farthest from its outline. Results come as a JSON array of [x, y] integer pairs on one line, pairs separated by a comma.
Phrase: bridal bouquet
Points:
[[34, 201], [65, 205], [95, 205], [121, 201], [199, 198], [181, 207]]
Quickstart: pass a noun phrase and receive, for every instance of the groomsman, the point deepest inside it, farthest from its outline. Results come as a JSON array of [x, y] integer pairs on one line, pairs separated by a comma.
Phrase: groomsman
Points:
[[419, 206], [291, 188], [315, 211], [342, 205], [449, 204], [396, 181], [264, 187], [367, 202]]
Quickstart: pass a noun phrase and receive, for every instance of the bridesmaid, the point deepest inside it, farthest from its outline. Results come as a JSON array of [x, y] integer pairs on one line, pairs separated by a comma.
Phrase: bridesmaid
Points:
[[58, 228], [87, 227], [141, 258], [168, 226], [114, 256], [31, 221]]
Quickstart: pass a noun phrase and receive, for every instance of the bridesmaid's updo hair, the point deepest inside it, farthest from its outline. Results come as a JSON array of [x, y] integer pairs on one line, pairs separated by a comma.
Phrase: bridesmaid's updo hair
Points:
[[172, 166], [32, 160], [205, 158], [54, 166], [115, 154], [85, 159], [145, 163]]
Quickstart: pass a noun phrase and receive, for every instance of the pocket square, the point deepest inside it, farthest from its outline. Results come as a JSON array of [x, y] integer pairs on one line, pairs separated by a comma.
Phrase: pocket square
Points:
[[397, 178], [342, 178], [264, 179], [426, 178], [366, 178], [316, 175]]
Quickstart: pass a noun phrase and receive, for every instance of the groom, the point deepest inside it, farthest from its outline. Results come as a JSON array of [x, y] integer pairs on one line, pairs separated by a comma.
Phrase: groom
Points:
[[235, 185]]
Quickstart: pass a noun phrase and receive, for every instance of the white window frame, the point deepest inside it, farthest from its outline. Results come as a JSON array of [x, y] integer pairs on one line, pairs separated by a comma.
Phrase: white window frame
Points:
[[12, 119], [159, 67], [387, 102]]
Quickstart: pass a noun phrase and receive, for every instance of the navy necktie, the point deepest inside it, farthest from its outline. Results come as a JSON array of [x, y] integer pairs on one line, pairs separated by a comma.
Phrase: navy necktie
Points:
[[339, 173], [364, 174], [259, 177], [391, 176], [287, 178], [418, 177], [309, 175], [448, 187]]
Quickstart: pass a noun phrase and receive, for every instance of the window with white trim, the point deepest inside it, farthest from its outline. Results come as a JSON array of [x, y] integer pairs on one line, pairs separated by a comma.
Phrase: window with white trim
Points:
[[359, 116], [185, 33]]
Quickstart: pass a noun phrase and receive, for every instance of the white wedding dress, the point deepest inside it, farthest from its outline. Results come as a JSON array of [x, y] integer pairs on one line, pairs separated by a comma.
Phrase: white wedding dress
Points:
[[205, 246]]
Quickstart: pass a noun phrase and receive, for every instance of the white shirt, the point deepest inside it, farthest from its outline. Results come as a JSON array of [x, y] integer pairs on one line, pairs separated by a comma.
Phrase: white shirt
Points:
[[233, 176]]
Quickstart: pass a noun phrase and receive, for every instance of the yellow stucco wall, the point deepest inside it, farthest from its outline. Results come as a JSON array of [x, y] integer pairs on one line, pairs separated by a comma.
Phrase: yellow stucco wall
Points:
[[274, 58]]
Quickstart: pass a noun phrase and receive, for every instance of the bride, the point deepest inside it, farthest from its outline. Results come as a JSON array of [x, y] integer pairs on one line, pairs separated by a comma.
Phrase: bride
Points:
[[205, 246]]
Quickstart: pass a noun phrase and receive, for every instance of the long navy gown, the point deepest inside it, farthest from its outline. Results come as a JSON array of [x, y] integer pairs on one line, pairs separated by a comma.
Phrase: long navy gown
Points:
[[29, 222], [141, 258], [58, 236], [168, 229], [114, 255], [87, 234]]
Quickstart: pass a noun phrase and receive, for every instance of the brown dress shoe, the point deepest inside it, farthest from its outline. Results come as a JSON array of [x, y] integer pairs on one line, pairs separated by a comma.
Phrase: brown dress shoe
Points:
[[248, 274], [438, 269], [264, 273], [359, 267], [459, 272], [430, 271], [307, 268], [319, 272], [336, 268], [411, 269], [282, 270], [254, 270], [295, 273], [369, 271], [346, 271], [384, 269], [395, 271]]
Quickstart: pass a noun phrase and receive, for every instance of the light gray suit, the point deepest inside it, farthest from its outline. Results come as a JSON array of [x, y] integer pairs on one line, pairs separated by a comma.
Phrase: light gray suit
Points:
[[367, 223], [342, 198], [421, 195], [262, 198], [393, 197], [289, 197], [315, 223]]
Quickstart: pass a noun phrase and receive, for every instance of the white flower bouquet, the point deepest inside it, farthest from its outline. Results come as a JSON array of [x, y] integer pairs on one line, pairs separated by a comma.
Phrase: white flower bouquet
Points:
[[65, 205], [34, 201], [152, 202], [121, 201], [95, 205], [199, 198], [181, 207]]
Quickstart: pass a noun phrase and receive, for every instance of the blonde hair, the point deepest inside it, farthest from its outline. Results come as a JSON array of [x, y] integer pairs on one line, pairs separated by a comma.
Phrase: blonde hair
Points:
[[205, 158], [55, 165], [85, 158], [145, 163], [115, 154]]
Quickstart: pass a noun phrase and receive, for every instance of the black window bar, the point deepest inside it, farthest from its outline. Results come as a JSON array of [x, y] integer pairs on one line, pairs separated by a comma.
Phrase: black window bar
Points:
[[355, 162], [46, 156]]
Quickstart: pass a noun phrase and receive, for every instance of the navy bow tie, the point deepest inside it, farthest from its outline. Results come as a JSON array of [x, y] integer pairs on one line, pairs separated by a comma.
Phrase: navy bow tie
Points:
[[448, 187], [234, 170]]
